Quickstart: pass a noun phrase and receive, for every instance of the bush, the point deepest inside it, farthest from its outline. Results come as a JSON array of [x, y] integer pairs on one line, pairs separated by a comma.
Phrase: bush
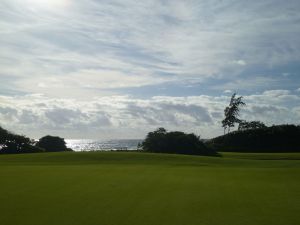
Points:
[[32, 149], [161, 141], [245, 125], [281, 138], [52, 144], [13, 143]]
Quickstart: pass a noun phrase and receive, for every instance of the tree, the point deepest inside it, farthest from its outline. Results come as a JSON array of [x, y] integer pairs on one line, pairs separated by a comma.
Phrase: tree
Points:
[[154, 140], [231, 112], [245, 125], [277, 138], [11, 143], [161, 141], [52, 144]]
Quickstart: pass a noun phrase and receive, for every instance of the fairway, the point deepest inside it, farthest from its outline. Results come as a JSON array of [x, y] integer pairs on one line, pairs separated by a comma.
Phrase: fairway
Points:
[[123, 188]]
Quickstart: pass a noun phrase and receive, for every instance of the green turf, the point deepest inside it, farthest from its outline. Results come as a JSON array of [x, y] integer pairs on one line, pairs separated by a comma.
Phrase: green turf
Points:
[[115, 188]]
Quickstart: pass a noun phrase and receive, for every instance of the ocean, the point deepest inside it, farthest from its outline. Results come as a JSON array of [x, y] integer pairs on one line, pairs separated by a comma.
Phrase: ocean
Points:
[[104, 145]]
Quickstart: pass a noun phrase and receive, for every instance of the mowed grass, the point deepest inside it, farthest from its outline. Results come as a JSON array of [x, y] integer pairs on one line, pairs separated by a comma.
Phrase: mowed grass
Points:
[[118, 188]]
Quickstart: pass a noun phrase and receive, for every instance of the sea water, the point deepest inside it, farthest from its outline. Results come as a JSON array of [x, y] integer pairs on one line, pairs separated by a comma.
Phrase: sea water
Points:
[[104, 145]]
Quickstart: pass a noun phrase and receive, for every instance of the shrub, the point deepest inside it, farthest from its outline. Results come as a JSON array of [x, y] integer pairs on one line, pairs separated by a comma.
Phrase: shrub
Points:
[[161, 141], [280, 138], [52, 144], [245, 125]]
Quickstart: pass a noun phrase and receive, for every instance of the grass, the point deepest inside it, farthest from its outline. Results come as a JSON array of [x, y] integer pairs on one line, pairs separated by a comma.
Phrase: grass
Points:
[[116, 188]]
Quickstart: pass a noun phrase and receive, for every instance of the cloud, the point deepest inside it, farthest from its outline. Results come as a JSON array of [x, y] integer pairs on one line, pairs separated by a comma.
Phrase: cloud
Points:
[[27, 117], [61, 116], [123, 44], [240, 62], [129, 117], [276, 93], [246, 83], [39, 114], [8, 113], [228, 91], [156, 113]]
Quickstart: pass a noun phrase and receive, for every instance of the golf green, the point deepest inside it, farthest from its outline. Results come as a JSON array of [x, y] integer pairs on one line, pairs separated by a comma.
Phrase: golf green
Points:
[[118, 188]]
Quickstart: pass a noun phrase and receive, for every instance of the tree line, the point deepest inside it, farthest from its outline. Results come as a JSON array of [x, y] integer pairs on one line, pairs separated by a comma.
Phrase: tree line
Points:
[[251, 136], [279, 138], [11, 143]]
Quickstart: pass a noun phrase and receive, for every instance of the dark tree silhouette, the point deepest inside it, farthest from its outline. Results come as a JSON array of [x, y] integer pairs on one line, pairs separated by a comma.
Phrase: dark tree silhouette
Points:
[[245, 125], [279, 138], [4, 134], [161, 141], [231, 112], [13, 143], [53, 144]]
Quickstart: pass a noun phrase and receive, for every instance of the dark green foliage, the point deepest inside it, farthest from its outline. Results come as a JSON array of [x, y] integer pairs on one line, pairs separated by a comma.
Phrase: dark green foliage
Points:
[[231, 112], [245, 125], [281, 138], [12, 143], [32, 149], [161, 141], [53, 144]]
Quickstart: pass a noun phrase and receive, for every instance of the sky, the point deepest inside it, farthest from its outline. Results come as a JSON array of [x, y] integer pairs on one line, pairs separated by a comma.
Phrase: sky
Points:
[[103, 69]]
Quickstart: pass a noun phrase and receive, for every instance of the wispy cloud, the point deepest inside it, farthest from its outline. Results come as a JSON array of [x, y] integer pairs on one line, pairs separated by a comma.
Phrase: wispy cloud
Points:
[[184, 39]]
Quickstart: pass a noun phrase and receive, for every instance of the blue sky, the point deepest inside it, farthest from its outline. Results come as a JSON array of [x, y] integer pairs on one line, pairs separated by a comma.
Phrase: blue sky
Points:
[[119, 69]]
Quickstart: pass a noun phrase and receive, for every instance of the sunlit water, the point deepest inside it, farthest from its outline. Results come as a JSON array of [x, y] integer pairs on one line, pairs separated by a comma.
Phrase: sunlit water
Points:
[[105, 145]]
